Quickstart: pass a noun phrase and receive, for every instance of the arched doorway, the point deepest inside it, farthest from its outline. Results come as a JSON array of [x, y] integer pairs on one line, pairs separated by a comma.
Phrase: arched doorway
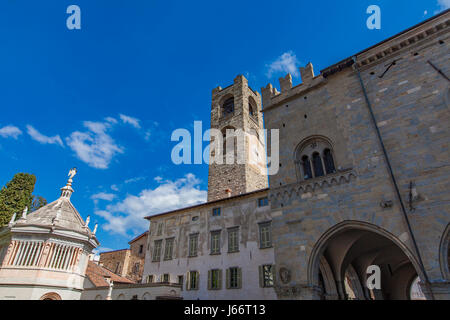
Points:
[[340, 259], [51, 296]]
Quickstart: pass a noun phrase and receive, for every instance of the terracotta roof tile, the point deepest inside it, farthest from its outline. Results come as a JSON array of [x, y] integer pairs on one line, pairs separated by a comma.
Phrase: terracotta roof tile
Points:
[[96, 274]]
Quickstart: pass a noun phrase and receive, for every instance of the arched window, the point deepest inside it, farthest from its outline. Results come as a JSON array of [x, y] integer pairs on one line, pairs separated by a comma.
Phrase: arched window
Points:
[[314, 158], [328, 161], [252, 110], [228, 106], [306, 165], [317, 164]]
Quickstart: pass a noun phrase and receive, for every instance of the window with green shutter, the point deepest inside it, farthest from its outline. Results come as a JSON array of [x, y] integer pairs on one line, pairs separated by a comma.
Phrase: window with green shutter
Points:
[[193, 280], [168, 252], [193, 244], [266, 275], [215, 279], [265, 235], [157, 250], [215, 242], [234, 278], [233, 239]]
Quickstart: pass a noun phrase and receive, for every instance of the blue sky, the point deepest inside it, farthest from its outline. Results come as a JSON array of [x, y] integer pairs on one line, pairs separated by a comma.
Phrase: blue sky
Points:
[[106, 98]]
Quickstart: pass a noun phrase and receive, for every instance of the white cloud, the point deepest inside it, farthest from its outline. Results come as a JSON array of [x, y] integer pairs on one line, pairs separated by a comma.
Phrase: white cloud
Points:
[[114, 187], [132, 180], [286, 63], [130, 120], [443, 4], [39, 137], [95, 146], [10, 132], [147, 135], [127, 215], [111, 120], [103, 196]]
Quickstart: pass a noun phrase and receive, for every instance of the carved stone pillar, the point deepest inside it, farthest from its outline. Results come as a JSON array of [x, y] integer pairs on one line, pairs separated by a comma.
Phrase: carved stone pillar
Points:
[[45, 254], [11, 247]]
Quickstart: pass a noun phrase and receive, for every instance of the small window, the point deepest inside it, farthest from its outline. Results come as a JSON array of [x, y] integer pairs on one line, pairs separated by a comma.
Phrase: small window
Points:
[[329, 162], [136, 268], [214, 279], [215, 242], [317, 164], [195, 218], [216, 212], [141, 248], [150, 278], [265, 235], [262, 202], [193, 282], [266, 273], [157, 250], [180, 279], [160, 229], [193, 244], [234, 278], [233, 239], [306, 165], [228, 106], [168, 252], [166, 278]]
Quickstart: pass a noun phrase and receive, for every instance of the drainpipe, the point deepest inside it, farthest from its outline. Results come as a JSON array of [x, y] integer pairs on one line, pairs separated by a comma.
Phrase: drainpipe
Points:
[[394, 181]]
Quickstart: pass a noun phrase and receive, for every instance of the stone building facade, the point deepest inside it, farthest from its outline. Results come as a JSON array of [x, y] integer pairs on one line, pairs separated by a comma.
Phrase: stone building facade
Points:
[[218, 250], [364, 171], [237, 107], [128, 263], [362, 185]]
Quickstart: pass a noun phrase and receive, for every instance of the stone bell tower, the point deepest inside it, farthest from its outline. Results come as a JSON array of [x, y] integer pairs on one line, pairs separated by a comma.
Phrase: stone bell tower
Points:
[[237, 107]]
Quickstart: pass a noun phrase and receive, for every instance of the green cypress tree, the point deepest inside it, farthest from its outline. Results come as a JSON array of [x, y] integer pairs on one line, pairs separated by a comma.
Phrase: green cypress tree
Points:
[[38, 202], [16, 195]]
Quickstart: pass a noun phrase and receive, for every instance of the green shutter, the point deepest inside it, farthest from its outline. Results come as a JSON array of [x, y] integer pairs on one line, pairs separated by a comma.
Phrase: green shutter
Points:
[[209, 279], [188, 281], [239, 280], [197, 282], [261, 276], [228, 278]]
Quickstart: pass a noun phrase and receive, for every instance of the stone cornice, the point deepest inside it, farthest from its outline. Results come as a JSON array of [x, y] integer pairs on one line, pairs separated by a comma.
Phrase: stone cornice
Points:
[[299, 188]]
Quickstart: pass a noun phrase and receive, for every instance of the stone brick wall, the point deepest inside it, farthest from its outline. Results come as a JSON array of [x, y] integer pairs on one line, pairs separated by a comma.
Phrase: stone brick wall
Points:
[[410, 102], [111, 259], [238, 178]]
